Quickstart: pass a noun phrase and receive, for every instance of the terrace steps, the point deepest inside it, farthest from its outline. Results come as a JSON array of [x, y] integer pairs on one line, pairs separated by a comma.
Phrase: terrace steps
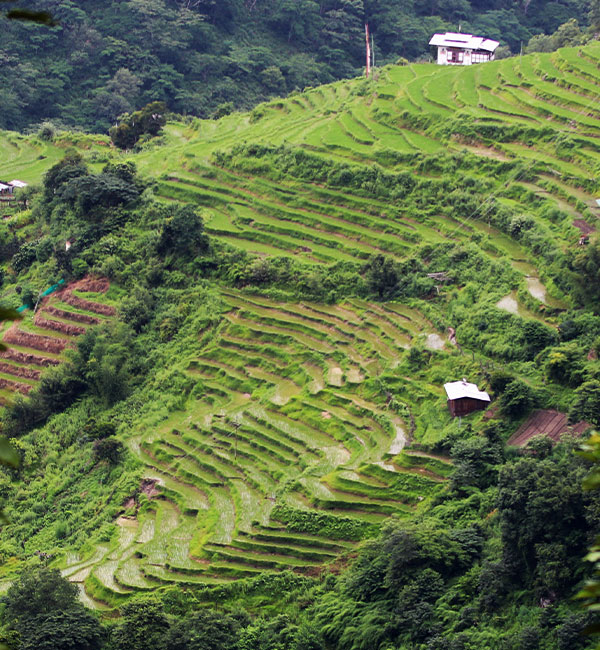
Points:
[[40, 340]]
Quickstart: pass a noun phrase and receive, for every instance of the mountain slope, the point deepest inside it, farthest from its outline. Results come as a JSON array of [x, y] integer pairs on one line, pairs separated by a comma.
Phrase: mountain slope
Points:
[[395, 228]]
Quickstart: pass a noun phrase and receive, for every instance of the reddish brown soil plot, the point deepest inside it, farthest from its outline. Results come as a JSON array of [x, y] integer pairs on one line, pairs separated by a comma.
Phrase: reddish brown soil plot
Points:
[[80, 303], [91, 285], [548, 422], [584, 226], [35, 341], [19, 371], [70, 326], [58, 326], [15, 386], [70, 315], [28, 358]]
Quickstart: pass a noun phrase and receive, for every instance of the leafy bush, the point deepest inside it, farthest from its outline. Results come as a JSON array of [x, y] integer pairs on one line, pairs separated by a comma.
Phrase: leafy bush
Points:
[[517, 399]]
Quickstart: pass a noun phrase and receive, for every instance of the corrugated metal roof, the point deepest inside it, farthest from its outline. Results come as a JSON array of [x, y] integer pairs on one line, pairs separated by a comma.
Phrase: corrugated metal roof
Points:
[[17, 183], [465, 41], [4, 187], [459, 389]]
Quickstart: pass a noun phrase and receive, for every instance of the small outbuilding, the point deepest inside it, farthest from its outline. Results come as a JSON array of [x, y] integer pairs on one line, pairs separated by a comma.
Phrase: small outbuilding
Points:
[[463, 49], [6, 189], [464, 398]]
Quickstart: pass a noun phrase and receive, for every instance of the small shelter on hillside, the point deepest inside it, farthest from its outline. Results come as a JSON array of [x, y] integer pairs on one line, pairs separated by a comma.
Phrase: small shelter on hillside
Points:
[[463, 49], [6, 189], [464, 398]]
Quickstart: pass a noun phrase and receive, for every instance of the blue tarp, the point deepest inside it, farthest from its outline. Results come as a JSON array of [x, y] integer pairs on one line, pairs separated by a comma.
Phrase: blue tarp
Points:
[[52, 289]]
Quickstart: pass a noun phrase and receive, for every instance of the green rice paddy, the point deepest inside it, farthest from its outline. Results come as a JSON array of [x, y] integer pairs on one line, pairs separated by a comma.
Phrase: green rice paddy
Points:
[[291, 449]]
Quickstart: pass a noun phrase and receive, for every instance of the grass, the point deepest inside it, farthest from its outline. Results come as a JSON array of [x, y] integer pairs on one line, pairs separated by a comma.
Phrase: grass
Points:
[[300, 405]]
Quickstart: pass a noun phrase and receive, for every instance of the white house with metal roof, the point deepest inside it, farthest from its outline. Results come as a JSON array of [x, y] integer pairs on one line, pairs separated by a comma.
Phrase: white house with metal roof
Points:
[[463, 49]]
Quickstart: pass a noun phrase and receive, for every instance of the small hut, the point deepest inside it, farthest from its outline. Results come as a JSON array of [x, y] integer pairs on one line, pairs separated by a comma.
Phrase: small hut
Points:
[[464, 398], [6, 189], [463, 49]]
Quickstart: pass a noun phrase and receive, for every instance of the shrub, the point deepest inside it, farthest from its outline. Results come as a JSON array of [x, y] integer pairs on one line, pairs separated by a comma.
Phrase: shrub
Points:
[[109, 449], [587, 403], [517, 399]]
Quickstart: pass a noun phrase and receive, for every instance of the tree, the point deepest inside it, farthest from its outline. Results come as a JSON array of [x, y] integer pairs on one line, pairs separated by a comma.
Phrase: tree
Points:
[[76, 629], [110, 449], [149, 120], [43, 610], [299, 19], [144, 625], [517, 399], [91, 195], [475, 461], [36, 591], [564, 365], [203, 630], [587, 403], [594, 17], [542, 516], [382, 277], [183, 233], [70, 167], [587, 267]]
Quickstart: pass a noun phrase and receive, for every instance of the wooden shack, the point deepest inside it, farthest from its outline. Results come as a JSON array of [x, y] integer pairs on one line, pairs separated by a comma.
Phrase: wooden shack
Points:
[[464, 398]]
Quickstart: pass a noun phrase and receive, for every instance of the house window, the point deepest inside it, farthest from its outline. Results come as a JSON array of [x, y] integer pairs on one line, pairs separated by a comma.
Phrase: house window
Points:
[[480, 57], [455, 56]]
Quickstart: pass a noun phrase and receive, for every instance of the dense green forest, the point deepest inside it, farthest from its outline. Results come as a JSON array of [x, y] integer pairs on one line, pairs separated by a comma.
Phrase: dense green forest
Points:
[[200, 57], [225, 389]]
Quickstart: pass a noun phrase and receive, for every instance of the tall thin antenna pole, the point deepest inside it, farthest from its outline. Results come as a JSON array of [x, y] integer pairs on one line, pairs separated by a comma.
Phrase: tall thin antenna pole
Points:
[[368, 50], [373, 50]]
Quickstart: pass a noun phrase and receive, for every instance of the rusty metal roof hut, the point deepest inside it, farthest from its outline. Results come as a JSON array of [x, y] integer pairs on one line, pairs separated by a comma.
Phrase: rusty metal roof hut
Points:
[[464, 398]]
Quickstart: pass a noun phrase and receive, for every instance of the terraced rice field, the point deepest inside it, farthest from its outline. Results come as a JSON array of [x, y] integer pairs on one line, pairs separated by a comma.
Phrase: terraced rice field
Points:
[[294, 447], [291, 449], [513, 111], [40, 339]]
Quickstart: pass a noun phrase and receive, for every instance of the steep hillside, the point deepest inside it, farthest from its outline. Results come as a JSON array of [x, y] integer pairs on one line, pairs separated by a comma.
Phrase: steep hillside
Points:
[[368, 242]]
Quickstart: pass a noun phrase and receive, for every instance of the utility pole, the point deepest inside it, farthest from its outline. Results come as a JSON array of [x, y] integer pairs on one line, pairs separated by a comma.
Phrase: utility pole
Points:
[[373, 52], [368, 50]]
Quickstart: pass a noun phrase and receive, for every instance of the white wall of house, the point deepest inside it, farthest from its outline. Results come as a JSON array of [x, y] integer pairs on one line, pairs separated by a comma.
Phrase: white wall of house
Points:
[[447, 56]]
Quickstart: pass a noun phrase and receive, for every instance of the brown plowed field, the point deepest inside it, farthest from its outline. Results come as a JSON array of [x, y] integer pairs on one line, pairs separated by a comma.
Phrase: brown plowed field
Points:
[[584, 226], [19, 371], [15, 386], [70, 315], [35, 341], [29, 358], [58, 326], [28, 365], [67, 296], [549, 422], [91, 285]]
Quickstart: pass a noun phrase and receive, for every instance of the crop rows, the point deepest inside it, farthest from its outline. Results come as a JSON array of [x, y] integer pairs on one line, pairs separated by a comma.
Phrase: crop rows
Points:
[[533, 110], [293, 449], [288, 452], [39, 340]]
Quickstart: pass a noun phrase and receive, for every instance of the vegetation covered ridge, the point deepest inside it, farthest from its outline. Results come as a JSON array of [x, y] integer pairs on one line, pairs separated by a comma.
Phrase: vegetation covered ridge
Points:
[[257, 419], [99, 60]]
